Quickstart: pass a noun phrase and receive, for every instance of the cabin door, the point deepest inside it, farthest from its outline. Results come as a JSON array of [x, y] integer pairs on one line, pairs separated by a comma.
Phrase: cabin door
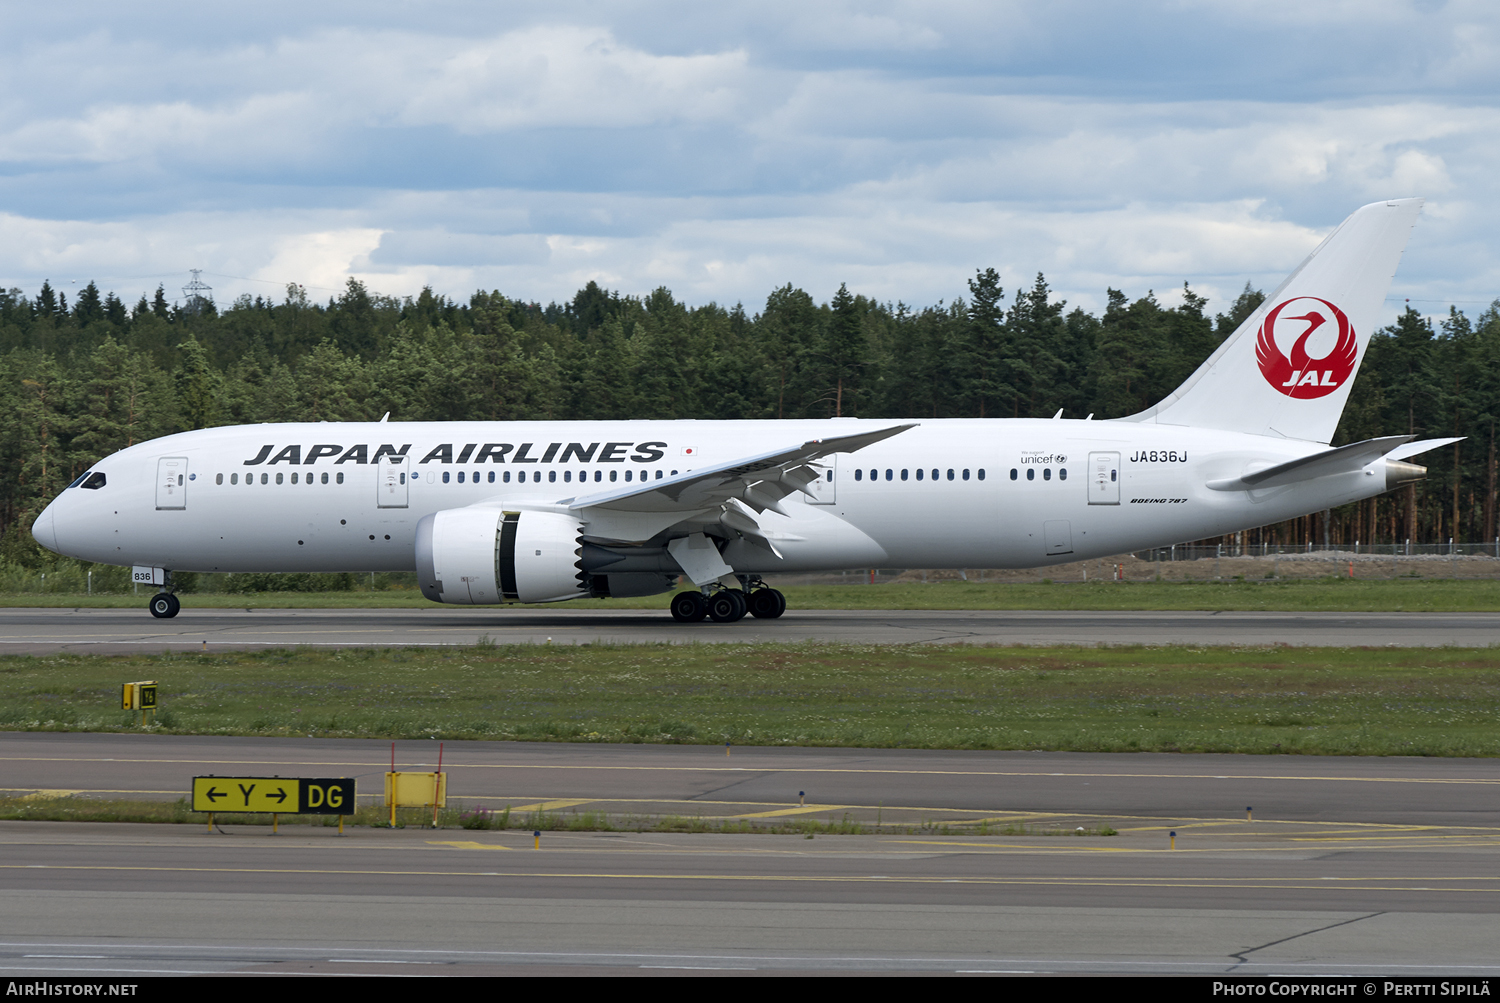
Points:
[[171, 482], [391, 485], [1104, 478], [825, 488]]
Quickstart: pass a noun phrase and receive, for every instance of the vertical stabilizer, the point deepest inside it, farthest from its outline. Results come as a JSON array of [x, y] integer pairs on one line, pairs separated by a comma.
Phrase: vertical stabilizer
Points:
[[1286, 371]]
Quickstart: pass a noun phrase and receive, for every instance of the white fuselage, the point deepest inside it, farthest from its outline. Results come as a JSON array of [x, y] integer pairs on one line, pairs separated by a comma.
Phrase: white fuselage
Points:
[[946, 493]]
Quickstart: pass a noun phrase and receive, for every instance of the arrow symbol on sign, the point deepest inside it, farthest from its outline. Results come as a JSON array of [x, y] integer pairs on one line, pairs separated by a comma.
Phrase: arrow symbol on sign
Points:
[[280, 795], [213, 794]]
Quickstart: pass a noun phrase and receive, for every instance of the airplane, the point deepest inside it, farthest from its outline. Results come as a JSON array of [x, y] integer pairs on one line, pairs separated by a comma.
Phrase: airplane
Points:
[[491, 513]]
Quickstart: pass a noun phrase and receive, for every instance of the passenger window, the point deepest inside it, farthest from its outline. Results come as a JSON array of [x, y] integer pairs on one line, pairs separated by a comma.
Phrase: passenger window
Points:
[[614, 475], [234, 478], [950, 473], [537, 477], [658, 475], [934, 474], [265, 479], [919, 473], [278, 478], [506, 477], [629, 474], [294, 478], [325, 477], [1062, 473], [552, 476], [889, 474], [1012, 473], [598, 476], [340, 477], [1047, 474], [874, 475], [445, 477], [492, 477], [218, 478], [1031, 473], [981, 473], [859, 475], [966, 473], [903, 475], [567, 477]]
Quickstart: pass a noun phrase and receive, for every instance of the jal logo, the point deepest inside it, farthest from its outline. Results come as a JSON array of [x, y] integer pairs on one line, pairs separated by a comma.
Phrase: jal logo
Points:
[[1322, 353]]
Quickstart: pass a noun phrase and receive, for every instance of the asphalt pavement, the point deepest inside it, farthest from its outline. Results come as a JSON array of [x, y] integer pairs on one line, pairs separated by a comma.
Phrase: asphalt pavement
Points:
[[1341, 866], [123, 631]]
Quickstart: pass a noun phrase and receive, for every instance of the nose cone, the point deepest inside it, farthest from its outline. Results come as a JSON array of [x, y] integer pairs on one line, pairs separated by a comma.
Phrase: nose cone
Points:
[[45, 528]]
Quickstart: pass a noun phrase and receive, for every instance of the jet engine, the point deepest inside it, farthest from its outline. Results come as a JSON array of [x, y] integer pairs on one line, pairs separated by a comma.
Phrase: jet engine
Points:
[[480, 556]]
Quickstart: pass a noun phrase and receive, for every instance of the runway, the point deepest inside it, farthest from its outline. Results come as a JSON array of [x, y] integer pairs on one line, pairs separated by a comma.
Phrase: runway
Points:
[[115, 631], [1348, 865]]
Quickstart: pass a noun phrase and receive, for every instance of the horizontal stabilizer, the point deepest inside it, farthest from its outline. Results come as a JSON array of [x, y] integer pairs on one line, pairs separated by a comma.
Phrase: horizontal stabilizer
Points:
[[1420, 446], [1344, 459]]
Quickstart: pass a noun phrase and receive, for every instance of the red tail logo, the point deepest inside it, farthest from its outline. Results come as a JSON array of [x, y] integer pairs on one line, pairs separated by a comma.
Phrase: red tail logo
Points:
[[1296, 374]]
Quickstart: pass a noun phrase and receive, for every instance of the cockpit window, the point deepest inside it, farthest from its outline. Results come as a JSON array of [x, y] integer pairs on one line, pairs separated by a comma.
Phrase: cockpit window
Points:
[[79, 479], [94, 482]]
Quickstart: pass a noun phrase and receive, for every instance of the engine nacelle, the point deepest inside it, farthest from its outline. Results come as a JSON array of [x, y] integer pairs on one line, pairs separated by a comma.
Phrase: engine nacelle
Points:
[[480, 556]]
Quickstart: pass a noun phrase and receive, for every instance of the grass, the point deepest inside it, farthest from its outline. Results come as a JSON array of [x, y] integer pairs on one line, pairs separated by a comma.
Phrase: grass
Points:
[[38, 808], [1431, 702], [1330, 594]]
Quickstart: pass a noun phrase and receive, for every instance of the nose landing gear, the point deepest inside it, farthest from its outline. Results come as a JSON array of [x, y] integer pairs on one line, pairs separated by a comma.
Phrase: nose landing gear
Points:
[[164, 605]]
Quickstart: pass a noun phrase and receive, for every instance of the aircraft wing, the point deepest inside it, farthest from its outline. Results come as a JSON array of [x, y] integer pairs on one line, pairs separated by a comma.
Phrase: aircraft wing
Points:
[[731, 494], [760, 481]]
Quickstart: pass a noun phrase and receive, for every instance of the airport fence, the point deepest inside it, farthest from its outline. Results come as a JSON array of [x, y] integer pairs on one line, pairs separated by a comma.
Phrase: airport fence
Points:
[[1197, 562]]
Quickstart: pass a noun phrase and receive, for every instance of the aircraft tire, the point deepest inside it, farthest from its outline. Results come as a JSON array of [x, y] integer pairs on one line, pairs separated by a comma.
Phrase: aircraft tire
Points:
[[689, 607], [164, 605], [767, 604], [727, 606]]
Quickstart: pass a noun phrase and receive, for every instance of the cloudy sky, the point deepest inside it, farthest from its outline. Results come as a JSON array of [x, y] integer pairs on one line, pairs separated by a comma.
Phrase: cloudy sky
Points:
[[724, 149]]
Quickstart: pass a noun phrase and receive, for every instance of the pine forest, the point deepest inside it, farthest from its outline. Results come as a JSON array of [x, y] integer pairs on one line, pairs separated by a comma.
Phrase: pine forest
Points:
[[86, 378]]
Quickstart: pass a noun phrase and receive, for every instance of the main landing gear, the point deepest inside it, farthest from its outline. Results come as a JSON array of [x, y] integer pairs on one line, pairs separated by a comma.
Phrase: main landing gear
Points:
[[728, 605], [164, 605]]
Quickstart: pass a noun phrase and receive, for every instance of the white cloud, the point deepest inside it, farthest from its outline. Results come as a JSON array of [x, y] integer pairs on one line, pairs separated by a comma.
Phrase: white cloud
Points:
[[896, 146]]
